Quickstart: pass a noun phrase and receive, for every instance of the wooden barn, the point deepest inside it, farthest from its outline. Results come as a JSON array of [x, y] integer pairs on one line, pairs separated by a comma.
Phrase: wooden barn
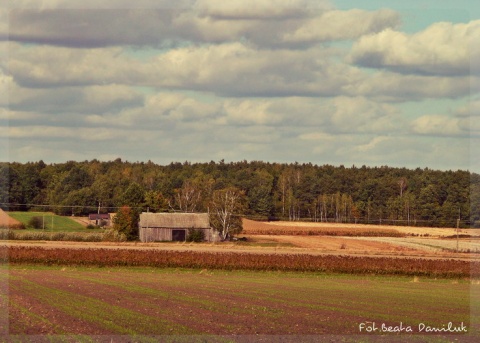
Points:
[[99, 219], [172, 226]]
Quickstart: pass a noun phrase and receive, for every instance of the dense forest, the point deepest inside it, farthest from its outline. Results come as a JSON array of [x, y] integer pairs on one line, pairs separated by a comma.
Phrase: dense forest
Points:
[[271, 190]]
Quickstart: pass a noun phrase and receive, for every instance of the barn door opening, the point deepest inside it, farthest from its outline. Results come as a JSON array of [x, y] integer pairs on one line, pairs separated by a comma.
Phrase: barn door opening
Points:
[[178, 235]]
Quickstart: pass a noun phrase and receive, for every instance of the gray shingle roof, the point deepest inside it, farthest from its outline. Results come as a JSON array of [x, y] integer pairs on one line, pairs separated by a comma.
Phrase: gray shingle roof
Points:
[[175, 220]]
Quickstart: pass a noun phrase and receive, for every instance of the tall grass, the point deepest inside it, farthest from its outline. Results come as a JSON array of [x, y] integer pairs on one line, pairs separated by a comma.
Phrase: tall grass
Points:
[[50, 236]]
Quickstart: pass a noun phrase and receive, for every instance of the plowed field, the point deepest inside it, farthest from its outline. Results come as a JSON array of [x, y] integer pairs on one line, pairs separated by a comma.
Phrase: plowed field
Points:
[[164, 303]]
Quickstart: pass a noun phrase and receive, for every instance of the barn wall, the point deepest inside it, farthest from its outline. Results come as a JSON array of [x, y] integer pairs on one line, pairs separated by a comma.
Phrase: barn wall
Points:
[[155, 234], [162, 234]]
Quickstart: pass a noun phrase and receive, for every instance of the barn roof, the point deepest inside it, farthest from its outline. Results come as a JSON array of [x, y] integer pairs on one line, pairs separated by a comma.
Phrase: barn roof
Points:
[[94, 216], [175, 220]]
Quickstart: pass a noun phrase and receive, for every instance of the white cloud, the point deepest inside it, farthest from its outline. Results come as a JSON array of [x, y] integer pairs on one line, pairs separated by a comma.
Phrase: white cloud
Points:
[[52, 133], [94, 4], [264, 23], [359, 114], [375, 142], [227, 69], [91, 99], [46, 66], [390, 86], [469, 117], [436, 125], [471, 109], [255, 9], [441, 49], [343, 25], [235, 80], [317, 136]]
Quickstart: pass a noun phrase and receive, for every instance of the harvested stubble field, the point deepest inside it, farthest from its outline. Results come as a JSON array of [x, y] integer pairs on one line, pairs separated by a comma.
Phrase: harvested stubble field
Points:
[[366, 245], [252, 227], [465, 245], [133, 302]]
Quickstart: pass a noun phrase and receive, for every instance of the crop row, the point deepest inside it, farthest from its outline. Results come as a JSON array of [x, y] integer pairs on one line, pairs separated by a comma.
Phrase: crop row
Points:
[[252, 227], [246, 261], [50, 236], [297, 231]]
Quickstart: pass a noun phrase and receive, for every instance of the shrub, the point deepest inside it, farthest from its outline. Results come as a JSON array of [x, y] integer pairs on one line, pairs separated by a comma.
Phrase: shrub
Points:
[[36, 222], [112, 235], [195, 235], [6, 234]]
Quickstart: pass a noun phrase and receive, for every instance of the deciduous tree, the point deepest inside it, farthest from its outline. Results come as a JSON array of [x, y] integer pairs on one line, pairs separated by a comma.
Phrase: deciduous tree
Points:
[[125, 223], [225, 209]]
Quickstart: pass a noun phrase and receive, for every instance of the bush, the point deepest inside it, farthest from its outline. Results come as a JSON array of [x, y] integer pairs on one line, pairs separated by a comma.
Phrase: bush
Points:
[[112, 235], [36, 222], [195, 235]]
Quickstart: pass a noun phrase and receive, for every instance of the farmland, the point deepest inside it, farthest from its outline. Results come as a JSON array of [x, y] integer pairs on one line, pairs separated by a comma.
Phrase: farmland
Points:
[[8, 222], [50, 221], [342, 229], [95, 291], [62, 300]]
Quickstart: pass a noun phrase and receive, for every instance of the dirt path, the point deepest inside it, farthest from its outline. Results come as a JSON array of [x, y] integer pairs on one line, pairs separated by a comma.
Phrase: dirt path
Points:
[[81, 220]]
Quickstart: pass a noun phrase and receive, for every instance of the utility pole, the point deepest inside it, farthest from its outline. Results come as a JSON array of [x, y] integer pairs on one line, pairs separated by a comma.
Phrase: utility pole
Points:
[[458, 226], [98, 213]]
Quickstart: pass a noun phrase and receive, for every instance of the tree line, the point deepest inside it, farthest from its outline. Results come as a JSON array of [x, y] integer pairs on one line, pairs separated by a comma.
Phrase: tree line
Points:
[[272, 191]]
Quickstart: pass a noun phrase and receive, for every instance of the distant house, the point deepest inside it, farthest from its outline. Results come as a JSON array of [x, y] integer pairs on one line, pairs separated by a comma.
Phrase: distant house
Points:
[[173, 226], [100, 219]]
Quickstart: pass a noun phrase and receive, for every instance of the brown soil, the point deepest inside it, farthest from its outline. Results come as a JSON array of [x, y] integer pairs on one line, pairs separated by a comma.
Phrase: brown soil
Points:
[[202, 305], [331, 243], [6, 220], [81, 220]]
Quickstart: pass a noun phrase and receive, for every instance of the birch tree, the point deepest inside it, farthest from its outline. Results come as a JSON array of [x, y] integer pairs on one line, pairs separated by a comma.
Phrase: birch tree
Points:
[[225, 207], [188, 197]]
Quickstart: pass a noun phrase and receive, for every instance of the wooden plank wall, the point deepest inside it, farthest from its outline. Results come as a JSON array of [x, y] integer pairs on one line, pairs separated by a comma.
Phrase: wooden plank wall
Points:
[[161, 234]]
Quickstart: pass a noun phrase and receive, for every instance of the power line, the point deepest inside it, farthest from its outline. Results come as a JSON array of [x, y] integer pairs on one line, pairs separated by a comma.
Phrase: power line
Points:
[[65, 206]]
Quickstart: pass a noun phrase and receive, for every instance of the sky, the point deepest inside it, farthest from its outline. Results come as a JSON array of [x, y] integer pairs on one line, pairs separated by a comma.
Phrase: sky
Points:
[[340, 82]]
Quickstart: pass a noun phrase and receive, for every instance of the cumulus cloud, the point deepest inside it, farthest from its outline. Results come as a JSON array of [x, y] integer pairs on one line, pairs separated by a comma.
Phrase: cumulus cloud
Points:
[[232, 69], [390, 86], [273, 23], [443, 49], [47, 66], [436, 124], [469, 117], [207, 79], [94, 4], [358, 114], [92, 99], [254, 9], [343, 25]]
